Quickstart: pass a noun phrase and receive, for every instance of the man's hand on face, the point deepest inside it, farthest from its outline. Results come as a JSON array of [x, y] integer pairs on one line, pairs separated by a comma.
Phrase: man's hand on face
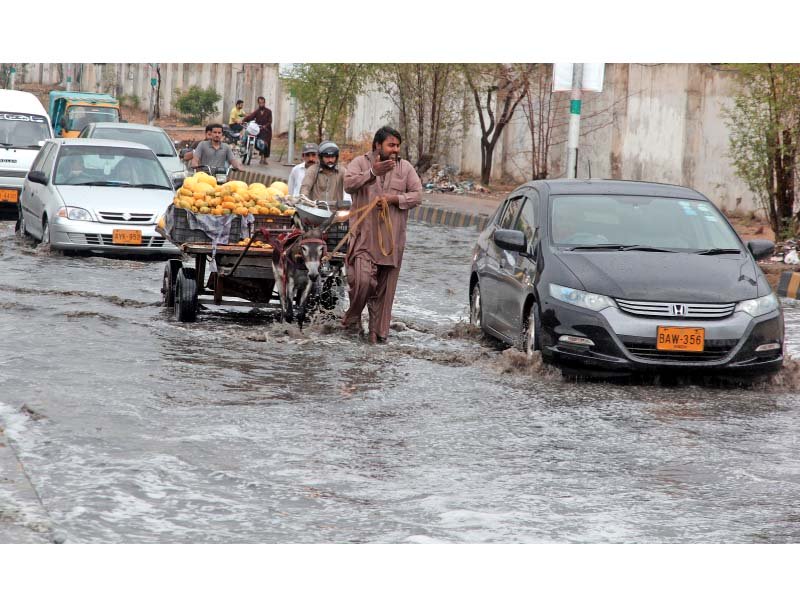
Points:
[[382, 167]]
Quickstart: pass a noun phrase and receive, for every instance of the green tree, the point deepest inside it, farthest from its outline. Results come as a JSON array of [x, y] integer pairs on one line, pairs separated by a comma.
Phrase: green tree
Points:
[[430, 104], [764, 122], [197, 104], [326, 95]]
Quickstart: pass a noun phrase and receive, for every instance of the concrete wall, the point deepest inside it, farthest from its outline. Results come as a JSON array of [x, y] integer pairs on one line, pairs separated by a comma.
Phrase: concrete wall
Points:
[[652, 122]]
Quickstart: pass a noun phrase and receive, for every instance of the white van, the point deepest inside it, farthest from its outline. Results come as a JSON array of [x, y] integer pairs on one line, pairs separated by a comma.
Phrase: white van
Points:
[[24, 126]]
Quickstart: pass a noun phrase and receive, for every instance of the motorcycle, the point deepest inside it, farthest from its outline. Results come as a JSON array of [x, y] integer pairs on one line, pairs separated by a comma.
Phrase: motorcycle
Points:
[[231, 137], [250, 133], [220, 173]]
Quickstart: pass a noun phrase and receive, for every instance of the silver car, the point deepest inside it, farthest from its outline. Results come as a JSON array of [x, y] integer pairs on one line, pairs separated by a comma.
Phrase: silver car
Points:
[[96, 195], [153, 137]]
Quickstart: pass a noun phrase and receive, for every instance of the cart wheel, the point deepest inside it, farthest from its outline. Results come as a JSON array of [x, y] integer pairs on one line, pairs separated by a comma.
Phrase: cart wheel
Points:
[[186, 295], [168, 282]]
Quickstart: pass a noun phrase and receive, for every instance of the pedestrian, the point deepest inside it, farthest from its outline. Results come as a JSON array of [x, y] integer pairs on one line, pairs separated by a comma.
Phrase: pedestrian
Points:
[[236, 116], [214, 153], [309, 155], [376, 246], [324, 181], [263, 118]]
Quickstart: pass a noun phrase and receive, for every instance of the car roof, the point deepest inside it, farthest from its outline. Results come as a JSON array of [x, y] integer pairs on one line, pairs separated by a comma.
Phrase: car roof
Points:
[[23, 102], [98, 142], [140, 126], [615, 186]]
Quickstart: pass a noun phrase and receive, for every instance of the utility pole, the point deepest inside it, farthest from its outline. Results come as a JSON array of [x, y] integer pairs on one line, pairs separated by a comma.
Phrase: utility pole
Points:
[[152, 104], [574, 121], [292, 120]]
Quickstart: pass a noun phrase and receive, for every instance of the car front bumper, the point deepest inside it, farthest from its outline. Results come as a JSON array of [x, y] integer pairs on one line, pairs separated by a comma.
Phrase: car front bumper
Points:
[[625, 342], [11, 183], [68, 234]]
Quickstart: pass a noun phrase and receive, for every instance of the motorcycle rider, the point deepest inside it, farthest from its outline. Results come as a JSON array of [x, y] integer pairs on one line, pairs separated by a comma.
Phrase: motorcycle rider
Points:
[[263, 117], [236, 116], [214, 153], [325, 180], [299, 171]]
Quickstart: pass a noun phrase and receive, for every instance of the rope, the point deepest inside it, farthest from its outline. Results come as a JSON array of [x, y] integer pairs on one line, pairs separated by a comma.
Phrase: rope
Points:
[[383, 219]]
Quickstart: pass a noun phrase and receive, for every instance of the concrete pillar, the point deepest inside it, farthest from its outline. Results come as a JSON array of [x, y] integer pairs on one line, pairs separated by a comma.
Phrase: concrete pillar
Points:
[[693, 125], [620, 75]]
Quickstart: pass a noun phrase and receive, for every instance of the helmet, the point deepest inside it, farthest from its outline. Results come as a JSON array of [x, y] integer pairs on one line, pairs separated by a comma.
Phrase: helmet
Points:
[[328, 148]]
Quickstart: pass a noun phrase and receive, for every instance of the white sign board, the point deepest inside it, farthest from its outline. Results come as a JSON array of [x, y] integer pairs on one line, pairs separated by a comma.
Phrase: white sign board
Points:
[[593, 74]]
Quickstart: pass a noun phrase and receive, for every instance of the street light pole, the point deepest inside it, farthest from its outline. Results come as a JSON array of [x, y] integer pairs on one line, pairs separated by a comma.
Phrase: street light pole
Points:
[[574, 121]]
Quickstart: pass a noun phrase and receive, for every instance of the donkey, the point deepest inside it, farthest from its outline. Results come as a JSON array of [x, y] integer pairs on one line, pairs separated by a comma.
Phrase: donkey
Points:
[[296, 262]]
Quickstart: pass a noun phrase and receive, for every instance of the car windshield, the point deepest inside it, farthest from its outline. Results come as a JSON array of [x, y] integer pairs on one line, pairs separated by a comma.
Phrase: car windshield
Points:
[[79, 117], [613, 221], [19, 130], [157, 141], [123, 167]]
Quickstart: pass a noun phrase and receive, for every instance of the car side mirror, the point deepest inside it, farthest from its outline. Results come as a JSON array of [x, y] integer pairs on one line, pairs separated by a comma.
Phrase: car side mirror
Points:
[[178, 181], [38, 177], [510, 239], [761, 248]]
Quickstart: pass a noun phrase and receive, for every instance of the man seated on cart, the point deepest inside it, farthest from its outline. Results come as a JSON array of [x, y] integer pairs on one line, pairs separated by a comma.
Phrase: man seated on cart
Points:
[[214, 153], [324, 181]]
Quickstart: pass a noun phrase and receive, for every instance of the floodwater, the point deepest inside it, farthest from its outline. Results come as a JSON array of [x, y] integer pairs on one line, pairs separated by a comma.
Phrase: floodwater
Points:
[[133, 427]]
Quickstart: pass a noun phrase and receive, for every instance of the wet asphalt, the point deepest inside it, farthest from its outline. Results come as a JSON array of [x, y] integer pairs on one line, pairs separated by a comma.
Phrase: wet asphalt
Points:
[[132, 427]]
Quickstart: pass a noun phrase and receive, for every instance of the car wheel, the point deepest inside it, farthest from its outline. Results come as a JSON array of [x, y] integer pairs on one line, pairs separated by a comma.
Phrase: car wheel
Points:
[[186, 296], [20, 227], [45, 232], [531, 333], [475, 307], [168, 282]]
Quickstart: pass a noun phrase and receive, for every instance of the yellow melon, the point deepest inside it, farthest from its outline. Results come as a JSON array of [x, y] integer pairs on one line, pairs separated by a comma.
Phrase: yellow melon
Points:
[[281, 188]]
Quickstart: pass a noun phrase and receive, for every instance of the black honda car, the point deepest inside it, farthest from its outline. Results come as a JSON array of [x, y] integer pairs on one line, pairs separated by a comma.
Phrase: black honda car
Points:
[[624, 276]]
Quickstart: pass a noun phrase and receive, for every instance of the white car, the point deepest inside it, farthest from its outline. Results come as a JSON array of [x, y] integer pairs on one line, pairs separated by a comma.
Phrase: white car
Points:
[[96, 195], [153, 137]]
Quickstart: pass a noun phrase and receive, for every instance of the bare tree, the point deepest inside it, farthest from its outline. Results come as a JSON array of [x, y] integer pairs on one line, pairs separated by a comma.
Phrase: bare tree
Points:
[[428, 100], [503, 86]]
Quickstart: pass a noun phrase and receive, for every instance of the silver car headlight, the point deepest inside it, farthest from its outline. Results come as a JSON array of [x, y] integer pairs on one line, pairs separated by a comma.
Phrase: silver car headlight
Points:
[[580, 298], [74, 213], [759, 306]]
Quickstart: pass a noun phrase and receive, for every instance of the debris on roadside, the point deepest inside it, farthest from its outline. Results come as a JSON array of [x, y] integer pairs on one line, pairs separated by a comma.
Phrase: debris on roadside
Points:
[[445, 180]]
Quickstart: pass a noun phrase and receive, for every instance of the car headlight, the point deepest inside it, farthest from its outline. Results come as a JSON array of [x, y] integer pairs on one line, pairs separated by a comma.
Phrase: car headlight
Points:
[[74, 213], [759, 306], [580, 298]]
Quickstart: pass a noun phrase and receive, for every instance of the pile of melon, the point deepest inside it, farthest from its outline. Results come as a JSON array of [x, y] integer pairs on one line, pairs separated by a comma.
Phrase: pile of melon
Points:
[[201, 194]]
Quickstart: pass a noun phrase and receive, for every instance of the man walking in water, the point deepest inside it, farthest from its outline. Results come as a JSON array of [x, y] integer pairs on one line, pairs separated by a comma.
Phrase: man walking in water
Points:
[[376, 244]]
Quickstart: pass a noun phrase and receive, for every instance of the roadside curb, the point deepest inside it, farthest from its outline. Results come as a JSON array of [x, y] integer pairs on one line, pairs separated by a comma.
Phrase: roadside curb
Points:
[[23, 519], [433, 215], [789, 285]]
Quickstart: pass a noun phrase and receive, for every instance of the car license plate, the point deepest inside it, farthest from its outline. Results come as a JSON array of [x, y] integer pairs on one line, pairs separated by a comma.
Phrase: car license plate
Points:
[[9, 195], [129, 237], [681, 339]]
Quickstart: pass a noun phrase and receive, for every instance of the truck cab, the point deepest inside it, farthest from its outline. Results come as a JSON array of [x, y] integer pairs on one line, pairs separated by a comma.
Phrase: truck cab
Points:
[[70, 112], [24, 126]]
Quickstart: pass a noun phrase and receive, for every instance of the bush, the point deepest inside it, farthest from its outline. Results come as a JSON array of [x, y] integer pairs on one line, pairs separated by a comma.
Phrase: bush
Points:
[[196, 104], [129, 100]]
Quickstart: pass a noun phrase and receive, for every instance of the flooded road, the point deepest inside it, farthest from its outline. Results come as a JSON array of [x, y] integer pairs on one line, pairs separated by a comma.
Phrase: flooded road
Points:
[[133, 427]]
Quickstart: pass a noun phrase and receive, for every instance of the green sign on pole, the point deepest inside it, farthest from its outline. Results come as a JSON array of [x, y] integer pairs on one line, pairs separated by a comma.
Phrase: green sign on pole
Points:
[[153, 81]]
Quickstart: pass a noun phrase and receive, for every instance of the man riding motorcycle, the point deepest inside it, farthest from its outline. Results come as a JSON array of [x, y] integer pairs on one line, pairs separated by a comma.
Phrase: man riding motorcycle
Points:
[[325, 181]]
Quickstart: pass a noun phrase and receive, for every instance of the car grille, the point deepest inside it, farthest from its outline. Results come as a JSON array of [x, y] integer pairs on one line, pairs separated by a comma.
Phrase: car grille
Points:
[[94, 239], [664, 309], [646, 348], [118, 217]]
